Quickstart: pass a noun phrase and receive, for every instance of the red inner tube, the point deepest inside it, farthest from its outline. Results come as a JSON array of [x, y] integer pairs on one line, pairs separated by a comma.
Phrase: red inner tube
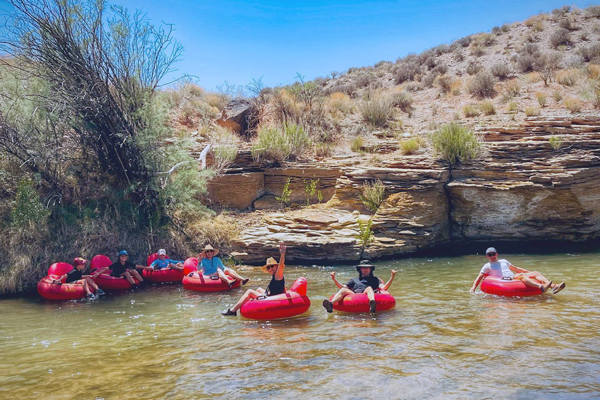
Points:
[[289, 304], [165, 275], [359, 302], [65, 291], [508, 288], [203, 283], [105, 281]]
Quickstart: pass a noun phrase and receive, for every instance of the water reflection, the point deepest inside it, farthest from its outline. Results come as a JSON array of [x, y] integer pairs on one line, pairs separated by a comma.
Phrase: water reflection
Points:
[[439, 341]]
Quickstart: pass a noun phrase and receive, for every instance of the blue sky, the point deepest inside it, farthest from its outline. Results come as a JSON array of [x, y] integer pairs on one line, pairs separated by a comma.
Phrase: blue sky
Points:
[[237, 41]]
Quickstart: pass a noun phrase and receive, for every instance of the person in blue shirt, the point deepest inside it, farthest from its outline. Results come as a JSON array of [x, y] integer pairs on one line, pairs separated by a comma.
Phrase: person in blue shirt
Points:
[[209, 264], [162, 262]]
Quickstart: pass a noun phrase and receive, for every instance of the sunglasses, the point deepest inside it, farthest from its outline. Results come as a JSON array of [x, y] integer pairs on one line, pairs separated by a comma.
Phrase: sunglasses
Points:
[[271, 267], [491, 254]]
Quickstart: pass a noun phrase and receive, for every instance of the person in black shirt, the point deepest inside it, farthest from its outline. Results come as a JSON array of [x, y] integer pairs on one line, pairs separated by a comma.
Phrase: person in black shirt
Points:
[[126, 269], [76, 276], [276, 286], [365, 283]]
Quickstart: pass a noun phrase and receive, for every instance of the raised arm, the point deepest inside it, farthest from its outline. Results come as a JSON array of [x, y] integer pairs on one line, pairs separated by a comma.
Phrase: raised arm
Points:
[[337, 283], [389, 283], [279, 273], [476, 283]]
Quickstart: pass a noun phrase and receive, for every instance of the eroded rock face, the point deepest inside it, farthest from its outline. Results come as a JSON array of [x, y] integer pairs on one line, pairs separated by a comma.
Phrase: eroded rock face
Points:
[[237, 116], [522, 189]]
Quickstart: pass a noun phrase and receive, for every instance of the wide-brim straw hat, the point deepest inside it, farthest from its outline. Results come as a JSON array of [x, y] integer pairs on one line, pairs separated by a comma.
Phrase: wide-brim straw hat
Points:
[[209, 247], [270, 261]]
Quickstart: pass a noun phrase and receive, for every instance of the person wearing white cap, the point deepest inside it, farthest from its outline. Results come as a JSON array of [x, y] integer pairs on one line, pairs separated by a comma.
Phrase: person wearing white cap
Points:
[[163, 262], [505, 270], [209, 264]]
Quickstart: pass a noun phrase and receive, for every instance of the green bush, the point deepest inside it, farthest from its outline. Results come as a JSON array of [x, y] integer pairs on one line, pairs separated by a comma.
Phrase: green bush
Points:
[[28, 210], [377, 110], [555, 142], [411, 146], [372, 195], [532, 111], [403, 101], [281, 144], [541, 98], [470, 111], [357, 144], [455, 143], [487, 108], [500, 70], [560, 37]]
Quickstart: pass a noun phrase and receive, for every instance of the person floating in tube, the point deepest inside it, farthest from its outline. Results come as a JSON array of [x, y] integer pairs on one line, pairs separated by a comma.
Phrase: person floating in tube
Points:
[[276, 286], [76, 276], [365, 283], [209, 264], [505, 270], [162, 262], [124, 268]]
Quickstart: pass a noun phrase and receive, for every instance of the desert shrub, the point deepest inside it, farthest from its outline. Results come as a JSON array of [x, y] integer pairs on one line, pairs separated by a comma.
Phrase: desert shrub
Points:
[[427, 80], [444, 82], [411, 146], [485, 39], [500, 70], [555, 142], [339, 103], [487, 108], [464, 41], [526, 62], [512, 107], [482, 85], [547, 65], [281, 144], [323, 150], [532, 111], [412, 87], [470, 111], [568, 23], [567, 77], [458, 55], [225, 147], [511, 90], [557, 96], [455, 144], [473, 67], [541, 98], [590, 53], [593, 11], [593, 71], [357, 144], [573, 105], [402, 100], [217, 100], [372, 194], [477, 50], [440, 69], [377, 110], [559, 13], [560, 37], [406, 71]]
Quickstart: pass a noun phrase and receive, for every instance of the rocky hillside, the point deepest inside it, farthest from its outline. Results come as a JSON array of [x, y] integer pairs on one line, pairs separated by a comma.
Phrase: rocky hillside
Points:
[[342, 167]]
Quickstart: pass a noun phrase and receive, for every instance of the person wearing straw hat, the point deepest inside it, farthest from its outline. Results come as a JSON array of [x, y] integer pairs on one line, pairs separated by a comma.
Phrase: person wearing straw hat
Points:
[[209, 264], [163, 262], [276, 286], [76, 276], [365, 283], [505, 270]]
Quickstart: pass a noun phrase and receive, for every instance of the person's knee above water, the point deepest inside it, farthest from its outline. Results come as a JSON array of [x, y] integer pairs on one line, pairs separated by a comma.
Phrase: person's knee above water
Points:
[[503, 269], [162, 262], [76, 276], [366, 283], [123, 268], [276, 286], [210, 264]]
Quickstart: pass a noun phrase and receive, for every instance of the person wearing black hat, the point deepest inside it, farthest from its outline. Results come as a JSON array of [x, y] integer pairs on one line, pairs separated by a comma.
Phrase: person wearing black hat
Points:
[[365, 283], [502, 268]]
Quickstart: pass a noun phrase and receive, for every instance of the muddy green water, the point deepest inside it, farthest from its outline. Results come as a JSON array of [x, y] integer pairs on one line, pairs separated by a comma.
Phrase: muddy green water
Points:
[[440, 342]]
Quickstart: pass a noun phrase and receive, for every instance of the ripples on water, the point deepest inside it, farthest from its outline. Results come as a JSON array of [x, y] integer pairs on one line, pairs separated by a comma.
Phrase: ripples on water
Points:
[[440, 342]]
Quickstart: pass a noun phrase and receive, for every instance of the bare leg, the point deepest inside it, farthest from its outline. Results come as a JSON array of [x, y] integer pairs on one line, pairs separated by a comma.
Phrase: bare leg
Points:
[[91, 283], [531, 282], [343, 292], [370, 293], [235, 274], [224, 277], [86, 287], [249, 295], [177, 267], [127, 276], [137, 275]]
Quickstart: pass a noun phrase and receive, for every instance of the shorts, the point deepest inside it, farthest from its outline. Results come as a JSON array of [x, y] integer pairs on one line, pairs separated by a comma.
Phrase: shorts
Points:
[[117, 274]]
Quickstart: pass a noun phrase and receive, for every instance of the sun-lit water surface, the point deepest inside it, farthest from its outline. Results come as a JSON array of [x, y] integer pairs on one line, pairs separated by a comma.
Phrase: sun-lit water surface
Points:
[[440, 342]]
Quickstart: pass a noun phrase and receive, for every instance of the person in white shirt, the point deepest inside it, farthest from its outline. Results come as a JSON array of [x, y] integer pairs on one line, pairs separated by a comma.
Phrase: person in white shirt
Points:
[[505, 270]]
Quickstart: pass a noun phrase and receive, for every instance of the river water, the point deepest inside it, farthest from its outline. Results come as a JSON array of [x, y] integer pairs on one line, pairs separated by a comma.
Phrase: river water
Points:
[[166, 342]]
